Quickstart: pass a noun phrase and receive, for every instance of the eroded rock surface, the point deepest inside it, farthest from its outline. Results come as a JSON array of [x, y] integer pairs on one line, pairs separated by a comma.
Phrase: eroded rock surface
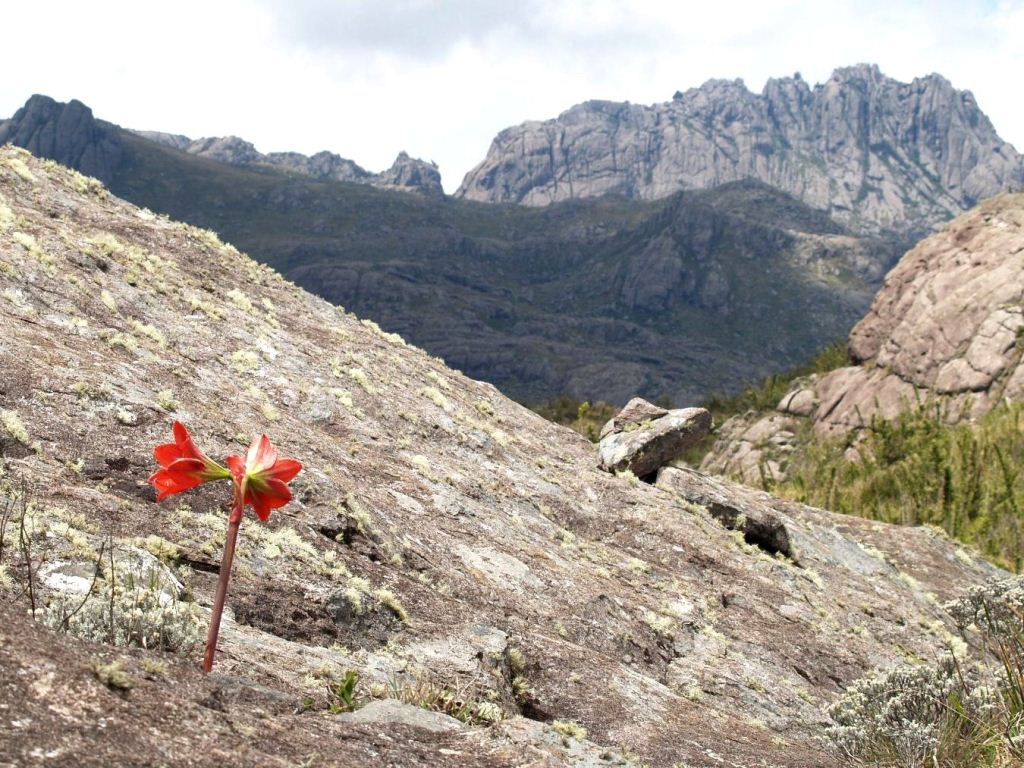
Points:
[[877, 154], [474, 545]]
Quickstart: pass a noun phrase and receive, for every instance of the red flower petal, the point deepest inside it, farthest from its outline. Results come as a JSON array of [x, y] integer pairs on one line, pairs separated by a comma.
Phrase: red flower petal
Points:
[[168, 482], [284, 470]]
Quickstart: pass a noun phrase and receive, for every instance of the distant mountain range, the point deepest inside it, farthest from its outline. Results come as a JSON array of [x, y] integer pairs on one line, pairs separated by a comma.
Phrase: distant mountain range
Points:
[[653, 288], [878, 155]]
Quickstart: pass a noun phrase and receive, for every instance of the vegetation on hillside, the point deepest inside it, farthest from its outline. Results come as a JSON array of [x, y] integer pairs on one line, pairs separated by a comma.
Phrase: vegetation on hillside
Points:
[[967, 479], [580, 415], [964, 710], [704, 289]]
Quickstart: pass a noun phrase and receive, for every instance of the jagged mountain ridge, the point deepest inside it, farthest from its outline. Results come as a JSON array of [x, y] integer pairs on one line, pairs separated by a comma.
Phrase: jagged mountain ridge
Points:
[[69, 134], [601, 298], [405, 173], [482, 545], [878, 155]]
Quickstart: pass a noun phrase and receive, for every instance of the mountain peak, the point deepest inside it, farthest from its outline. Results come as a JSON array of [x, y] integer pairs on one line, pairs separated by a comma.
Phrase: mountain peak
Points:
[[67, 133], [878, 155]]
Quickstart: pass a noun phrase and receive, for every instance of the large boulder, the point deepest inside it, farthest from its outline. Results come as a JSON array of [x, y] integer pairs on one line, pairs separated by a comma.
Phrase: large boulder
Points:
[[642, 438]]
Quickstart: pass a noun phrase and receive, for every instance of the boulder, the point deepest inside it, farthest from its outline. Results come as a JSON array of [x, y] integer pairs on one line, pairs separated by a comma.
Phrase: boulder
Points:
[[644, 437]]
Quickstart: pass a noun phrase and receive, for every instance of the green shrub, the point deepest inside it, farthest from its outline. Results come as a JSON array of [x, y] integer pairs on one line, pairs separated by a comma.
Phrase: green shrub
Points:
[[917, 469]]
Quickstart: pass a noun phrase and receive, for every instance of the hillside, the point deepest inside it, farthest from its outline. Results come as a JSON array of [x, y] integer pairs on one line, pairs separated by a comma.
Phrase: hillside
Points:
[[442, 538], [880, 156], [603, 299]]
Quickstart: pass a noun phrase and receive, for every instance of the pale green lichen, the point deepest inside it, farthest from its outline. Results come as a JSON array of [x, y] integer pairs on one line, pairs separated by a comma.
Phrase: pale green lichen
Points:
[[6, 217], [30, 244], [244, 361], [165, 399], [240, 300], [387, 599], [108, 300], [569, 728], [19, 167], [209, 309], [150, 331], [358, 375], [661, 624], [14, 425], [106, 244], [434, 395], [440, 380], [125, 341]]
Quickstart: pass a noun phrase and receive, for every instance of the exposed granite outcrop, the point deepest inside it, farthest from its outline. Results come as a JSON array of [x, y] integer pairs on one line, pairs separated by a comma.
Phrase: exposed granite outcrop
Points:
[[642, 438], [947, 325], [478, 547], [67, 133], [877, 154]]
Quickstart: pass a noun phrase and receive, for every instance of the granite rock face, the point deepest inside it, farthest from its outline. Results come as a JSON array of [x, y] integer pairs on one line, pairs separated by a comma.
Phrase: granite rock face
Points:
[[477, 547], [877, 154], [67, 133], [406, 173], [947, 324]]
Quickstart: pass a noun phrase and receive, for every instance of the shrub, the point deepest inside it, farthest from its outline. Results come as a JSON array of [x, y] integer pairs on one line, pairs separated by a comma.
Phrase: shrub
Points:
[[125, 611], [955, 713]]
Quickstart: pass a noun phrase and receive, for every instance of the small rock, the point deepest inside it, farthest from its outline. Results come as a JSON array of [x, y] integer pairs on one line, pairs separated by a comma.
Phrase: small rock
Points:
[[394, 712], [636, 412], [800, 402]]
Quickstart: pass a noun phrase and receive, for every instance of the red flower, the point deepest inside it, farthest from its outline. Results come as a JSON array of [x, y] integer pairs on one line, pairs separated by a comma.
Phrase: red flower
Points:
[[183, 465], [261, 479]]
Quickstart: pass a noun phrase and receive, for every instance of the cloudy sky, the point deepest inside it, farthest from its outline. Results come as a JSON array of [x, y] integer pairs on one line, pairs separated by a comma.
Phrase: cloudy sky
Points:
[[438, 78]]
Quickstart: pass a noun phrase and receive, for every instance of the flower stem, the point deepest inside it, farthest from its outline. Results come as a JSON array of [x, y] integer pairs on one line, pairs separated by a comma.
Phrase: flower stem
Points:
[[222, 588]]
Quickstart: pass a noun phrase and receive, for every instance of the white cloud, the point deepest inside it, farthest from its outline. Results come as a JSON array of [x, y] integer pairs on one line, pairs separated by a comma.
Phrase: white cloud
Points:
[[439, 79]]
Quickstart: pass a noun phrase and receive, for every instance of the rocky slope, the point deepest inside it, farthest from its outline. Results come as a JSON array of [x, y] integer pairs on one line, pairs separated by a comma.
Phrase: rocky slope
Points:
[[442, 538], [947, 325], [877, 154], [604, 299]]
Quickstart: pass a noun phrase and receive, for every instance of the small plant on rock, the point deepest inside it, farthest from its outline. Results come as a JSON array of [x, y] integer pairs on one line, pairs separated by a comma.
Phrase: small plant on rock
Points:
[[260, 480]]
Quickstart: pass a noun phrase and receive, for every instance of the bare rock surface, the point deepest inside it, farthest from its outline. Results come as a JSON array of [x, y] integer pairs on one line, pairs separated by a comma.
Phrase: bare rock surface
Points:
[[643, 437], [440, 534], [947, 323], [394, 712], [877, 154]]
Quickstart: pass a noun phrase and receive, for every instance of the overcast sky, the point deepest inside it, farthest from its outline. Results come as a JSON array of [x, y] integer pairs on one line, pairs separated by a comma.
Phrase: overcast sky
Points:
[[367, 78]]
